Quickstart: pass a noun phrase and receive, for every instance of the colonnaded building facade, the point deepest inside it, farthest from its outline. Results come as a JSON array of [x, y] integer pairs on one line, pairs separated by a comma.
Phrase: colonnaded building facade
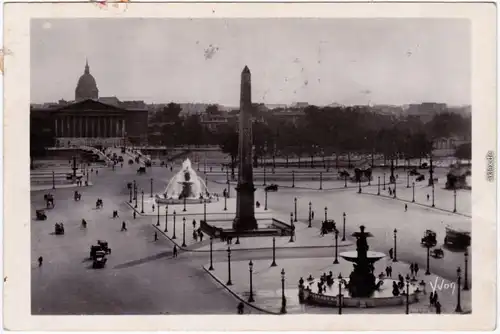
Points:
[[91, 120]]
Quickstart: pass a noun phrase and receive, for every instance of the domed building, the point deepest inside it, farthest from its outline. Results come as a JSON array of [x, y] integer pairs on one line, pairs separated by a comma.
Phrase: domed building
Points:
[[86, 87]]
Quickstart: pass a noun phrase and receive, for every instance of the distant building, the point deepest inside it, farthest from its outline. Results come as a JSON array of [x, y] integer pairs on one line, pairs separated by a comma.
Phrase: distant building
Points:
[[445, 147], [426, 111], [90, 120]]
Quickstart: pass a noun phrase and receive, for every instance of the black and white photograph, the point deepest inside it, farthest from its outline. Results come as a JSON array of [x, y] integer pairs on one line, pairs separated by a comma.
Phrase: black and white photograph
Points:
[[252, 166]]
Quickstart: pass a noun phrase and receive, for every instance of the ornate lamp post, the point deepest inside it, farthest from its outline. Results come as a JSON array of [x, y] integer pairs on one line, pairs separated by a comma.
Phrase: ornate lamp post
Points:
[[433, 194], [326, 213], [250, 265], [130, 191], [184, 202], [211, 260], [225, 202], [151, 195], [173, 236], [428, 245], [320, 180], [183, 231], [158, 217], [407, 294], [384, 182], [53, 180], [283, 299], [413, 198], [336, 261], [229, 282], [310, 215], [265, 200], [135, 195], [454, 200], [466, 259], [340, 278], [293, 179], [166, 218], [273, 264], [292, 226], [295, 209], [343, 226], [142, 201], [458, 309], [395, 259], [378, 188], [205, 210]]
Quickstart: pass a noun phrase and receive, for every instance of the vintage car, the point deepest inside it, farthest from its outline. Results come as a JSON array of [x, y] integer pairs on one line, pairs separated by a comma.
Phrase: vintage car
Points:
[[40, 215], [141, 170], [148, 163], [429, 239], [130, 161], [99, 260], [419, 178], [343, 174], [414, 172], [272, 187], [329, 225], [59, 228], [437, 253], [457, 238], [424, 165]]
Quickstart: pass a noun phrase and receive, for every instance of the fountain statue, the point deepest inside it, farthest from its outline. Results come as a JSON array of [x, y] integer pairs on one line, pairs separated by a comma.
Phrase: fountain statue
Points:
[[362, 280], [186, 185]]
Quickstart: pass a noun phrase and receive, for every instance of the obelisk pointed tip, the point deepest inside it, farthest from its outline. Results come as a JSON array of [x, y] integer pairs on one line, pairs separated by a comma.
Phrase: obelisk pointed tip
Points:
[[246, 70]]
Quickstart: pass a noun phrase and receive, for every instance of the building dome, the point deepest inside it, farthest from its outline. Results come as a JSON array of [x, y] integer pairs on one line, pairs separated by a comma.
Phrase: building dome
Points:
[[86, 87]]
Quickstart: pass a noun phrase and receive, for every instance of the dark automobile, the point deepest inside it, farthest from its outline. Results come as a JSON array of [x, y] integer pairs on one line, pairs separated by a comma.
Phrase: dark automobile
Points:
[[148, 163], [130, 161], [141, 170], [414, 172], [272, 187], [420, 178], [120, 159], [40, 215]]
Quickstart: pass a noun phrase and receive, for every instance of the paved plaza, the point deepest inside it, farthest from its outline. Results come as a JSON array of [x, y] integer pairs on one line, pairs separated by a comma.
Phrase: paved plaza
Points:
[[142, 277]]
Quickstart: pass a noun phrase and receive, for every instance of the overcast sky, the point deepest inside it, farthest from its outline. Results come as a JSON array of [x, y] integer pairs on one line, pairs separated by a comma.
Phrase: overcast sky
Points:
[[320, 61]]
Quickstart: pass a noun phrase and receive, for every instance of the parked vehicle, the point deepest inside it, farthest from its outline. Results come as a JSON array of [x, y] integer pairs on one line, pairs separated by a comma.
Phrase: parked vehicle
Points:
[[457, 238], [272, 187]]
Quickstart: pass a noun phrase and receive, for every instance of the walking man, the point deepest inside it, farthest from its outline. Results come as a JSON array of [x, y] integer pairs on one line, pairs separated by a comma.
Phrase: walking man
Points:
[[40, 261], [153, 206], [415, 268], [406, 207], [124, 227], [411, 269], [175, 251], [391, 251], [156, 236], [135, 214]]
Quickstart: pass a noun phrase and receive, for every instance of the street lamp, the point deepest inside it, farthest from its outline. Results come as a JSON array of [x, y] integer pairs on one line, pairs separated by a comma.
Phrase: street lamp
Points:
[[407, 179], [184, 201], [273, 264], [343, 227], [458, 309], [340, 278], [336, 261], [359, 182], [130, 199], [53, 180], [151, 195], [292, 227], [320, 180], [250, 299], [433, 194], [295, 208], [229, 282], [225, 203], [394, 192], [283, 299], [158, 216], [378, 189], [428, 245], [407, 294], [142, 201], [466, 280], [413, 198], [326, 213], [183, 231], [384, 182], [264, 175], [265, 200], [173, 236], [211, 262], [205, 210], [293, 179], [166, 217], [454, 200], [395, 259], [135, 195], [310, 214]]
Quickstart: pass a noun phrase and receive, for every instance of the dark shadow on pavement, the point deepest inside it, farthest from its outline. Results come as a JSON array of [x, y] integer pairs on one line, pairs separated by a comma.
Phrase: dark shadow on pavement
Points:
[[144, 260]]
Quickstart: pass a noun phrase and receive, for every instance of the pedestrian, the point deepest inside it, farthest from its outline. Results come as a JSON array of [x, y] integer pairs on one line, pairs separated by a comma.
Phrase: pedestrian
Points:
[[312, 215], [387, 271], [431, 299], [194, 224], [390, 271], [406, 207], [438, 307], [135, 214], [124, 227], [411, 269], [391, 251], [156, 236], [195, 236], [96, 172], [84, 223], [175, 251], [153, 206], [427, 197], [201, 235], [416, 268], [436, 298], [240, 307], [40, 261]]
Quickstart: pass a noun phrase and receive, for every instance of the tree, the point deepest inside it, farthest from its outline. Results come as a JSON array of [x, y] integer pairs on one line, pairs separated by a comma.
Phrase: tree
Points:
[[228, 142], [464, 152]]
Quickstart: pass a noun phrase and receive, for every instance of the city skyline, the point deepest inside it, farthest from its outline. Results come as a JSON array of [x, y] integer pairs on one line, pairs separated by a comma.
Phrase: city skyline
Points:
[[366, 61]]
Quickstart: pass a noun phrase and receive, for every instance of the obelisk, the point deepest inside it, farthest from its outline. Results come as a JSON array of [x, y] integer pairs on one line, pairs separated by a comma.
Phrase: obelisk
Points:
[[245, 212]]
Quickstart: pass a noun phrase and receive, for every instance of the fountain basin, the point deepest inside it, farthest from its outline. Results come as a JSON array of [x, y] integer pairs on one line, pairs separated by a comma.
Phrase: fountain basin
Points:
[[380, 298], [189, 201], [352, 256]]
